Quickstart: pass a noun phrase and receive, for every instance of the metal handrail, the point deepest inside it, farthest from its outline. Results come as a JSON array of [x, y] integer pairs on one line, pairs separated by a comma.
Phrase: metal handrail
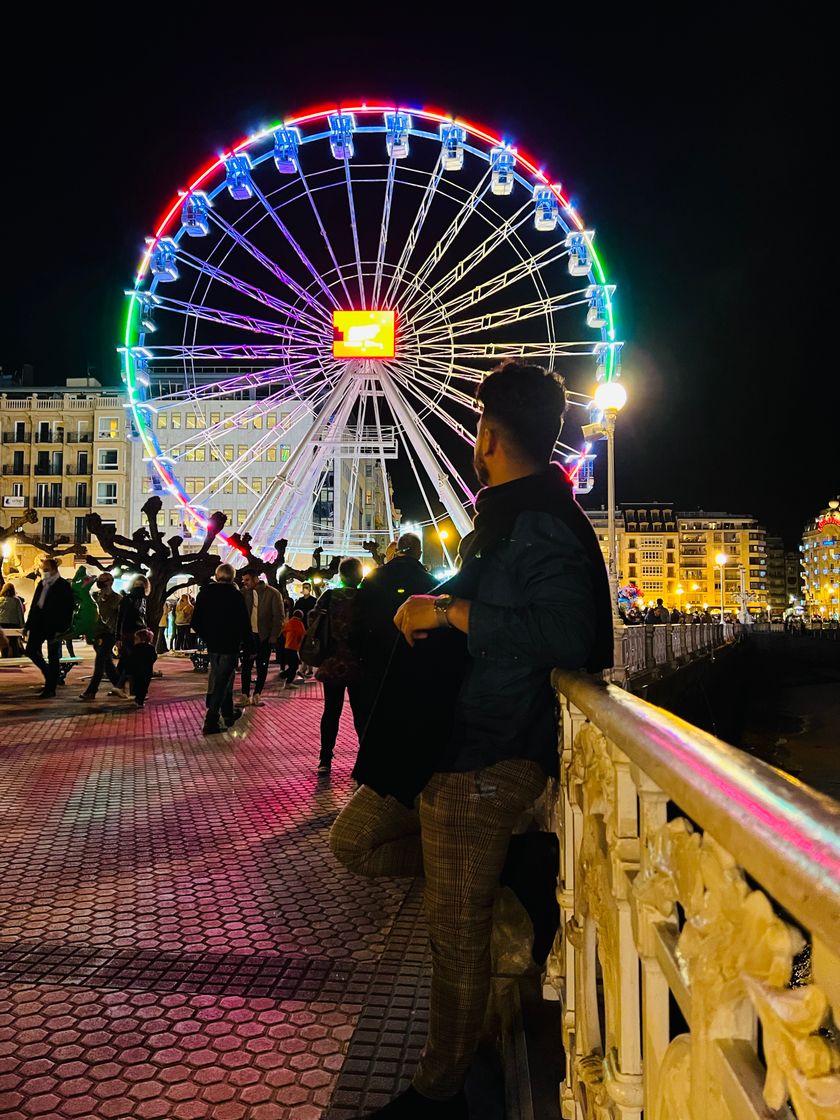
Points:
[[785, 834]]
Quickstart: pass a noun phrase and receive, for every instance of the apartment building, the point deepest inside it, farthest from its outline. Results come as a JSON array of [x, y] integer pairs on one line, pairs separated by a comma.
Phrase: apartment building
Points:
[[820, 560]]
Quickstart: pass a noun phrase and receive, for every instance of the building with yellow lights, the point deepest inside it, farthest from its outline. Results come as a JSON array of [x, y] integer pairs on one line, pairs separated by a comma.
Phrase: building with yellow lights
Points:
[[673, 555], [820, 556]]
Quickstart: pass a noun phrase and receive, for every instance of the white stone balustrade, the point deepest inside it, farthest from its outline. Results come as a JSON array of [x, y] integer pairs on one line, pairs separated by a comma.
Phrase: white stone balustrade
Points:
[[699, 958], [650, 651]]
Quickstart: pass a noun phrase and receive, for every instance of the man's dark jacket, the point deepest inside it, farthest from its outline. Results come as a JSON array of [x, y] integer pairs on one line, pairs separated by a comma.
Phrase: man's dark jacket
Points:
[[221, 618], [535, 576], [56, 615]]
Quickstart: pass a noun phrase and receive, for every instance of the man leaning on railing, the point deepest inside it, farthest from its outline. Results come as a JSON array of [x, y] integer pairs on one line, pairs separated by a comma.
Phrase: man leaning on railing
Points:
[[463, 734]]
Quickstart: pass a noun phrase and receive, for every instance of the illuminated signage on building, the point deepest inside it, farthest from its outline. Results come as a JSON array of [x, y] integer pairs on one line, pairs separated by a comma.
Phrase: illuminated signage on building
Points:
[[364, 334], [831, 519]]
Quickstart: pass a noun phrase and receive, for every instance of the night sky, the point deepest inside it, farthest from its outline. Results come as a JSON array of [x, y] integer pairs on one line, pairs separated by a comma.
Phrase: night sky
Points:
[[698, 154]]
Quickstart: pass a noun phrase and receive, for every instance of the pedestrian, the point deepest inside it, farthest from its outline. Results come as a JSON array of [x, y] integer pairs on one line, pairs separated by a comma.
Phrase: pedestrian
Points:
[[306, 604], [140, 665], [380, 596], [183, 618], [221, 619], [105, 635], [676, 616], [163, 624], [660, 613], [339, 669], [293, 634], [49, 619], [265, 610], [11, 617], [131, 617], [469, 723]]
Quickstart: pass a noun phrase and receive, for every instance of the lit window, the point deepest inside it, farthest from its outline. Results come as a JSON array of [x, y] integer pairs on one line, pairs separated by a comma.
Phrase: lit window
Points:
[[257, 421], [256, 485], [241, 487], [176, 420], [108, 427], [162, 420], [271, 420], [284, 453], [227, 452], [174, 519], [215, 418], [271, 455]]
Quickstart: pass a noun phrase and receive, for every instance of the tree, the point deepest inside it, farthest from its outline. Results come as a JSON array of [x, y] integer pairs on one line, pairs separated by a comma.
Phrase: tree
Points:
[[14, 531], [277, 572], [160, 560]]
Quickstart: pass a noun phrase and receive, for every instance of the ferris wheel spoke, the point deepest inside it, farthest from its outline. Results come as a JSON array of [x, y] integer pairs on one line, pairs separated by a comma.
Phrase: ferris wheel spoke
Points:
[[383, 232], [415, 435], [307, 263], [530, 266], [445, 242], [201, 437], [316, 316], [431, 378], [288, 492], [414, 232], [355, 231], [353, 481], [440, 413], [546, 350], [493, 320], [222, 353], [292, 375], [324, 234], [376, 391], [471, 260], [226, 318]]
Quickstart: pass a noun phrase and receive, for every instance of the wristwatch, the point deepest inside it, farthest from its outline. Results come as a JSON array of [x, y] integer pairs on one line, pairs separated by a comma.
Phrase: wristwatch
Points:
[[442, 605]]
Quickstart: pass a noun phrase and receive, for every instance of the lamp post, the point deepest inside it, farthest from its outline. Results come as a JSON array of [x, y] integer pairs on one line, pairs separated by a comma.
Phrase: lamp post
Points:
[[720, 560], [610, 398]]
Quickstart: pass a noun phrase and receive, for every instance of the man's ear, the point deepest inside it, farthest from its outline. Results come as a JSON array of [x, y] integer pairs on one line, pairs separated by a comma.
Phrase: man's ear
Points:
[[491, 439]]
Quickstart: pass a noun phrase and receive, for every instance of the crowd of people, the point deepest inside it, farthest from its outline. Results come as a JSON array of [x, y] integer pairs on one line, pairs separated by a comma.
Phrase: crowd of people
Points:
[[658, 613], [450, 692]]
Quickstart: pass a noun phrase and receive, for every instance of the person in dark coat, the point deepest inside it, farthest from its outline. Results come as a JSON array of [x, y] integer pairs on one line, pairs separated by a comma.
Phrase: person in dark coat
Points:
[[469, 725], [221, 619], [50, 617], [380, 596], [105, 634], [140, 665], [131, 617]]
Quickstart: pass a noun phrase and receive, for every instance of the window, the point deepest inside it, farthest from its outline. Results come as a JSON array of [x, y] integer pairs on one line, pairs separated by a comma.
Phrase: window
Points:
[[257, 421], [82, 463], [80, 531], [17, 463], [194, 420], [81, 494], [162, 420], [106, 460], [229, 515], [228, 488], [48, 530], [241, 514], [241, 450], [215, 457], [215, 418], [227, 452], [17, 489], [651, 554], [651, 569], [175, 421], [241, 486], [196, 454], [256, 485], [108, 427], [271, 455], [174, 519], [20, 431], [229, 423], [146, 487], [284, 452], [192, 485], [106, 493], [271, 420]]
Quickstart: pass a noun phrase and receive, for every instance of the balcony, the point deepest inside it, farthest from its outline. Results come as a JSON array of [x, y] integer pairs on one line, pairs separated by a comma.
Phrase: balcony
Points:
[[79, 470], [52, 469], [51, 437], [48, 503], [78, 503], [79, 437], [10, 468], [10, 437], [692, 877]]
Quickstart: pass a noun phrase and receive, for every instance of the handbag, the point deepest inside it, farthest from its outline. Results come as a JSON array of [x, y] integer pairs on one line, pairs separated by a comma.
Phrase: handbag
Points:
[[314, 648]]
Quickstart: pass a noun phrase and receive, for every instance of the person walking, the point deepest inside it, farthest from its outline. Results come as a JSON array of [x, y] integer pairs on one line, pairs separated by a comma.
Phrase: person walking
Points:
[[49, 618], [306, 605], [131, 617], [380, 596], [183, 618], [265, 610], [339, 669], [221, 619], [11, 617], [105, 635], [140, 665], [293, 634], [476, 714]]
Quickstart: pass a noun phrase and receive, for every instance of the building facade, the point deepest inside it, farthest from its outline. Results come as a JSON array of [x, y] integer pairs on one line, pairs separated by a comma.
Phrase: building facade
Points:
[[820, 561], [67, 451], [672, 554]]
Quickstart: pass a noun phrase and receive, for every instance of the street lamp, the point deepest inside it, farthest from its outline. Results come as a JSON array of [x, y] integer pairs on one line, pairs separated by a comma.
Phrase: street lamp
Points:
[[610, 398], [720, 560]]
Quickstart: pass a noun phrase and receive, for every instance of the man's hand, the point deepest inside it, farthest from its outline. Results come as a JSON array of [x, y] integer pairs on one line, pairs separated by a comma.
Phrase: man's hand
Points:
[[416, 617]]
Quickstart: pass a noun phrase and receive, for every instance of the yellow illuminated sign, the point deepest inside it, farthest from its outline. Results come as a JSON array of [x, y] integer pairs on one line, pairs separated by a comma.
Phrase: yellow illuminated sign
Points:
[[363, 334]]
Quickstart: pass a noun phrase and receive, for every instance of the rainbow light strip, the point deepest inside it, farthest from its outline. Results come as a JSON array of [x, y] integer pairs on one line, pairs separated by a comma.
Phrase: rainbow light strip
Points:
[[427, 113]]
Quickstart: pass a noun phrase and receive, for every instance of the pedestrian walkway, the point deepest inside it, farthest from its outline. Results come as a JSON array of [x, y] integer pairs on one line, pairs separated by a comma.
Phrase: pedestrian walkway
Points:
[[176, 940]]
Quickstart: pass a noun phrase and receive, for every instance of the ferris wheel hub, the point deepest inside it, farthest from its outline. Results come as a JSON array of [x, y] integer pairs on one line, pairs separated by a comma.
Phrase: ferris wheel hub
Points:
[[364, 334]]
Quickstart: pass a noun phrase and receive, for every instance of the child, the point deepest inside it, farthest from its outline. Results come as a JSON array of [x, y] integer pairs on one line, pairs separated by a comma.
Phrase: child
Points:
[[141, 658], [294, 632]]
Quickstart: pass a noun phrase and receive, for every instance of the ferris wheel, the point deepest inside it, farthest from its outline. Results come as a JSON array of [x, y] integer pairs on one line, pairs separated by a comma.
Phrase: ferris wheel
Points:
[[360, 268]]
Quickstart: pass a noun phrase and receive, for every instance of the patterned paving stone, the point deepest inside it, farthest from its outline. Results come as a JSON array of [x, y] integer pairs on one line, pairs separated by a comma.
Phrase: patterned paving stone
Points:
[[176, 940]]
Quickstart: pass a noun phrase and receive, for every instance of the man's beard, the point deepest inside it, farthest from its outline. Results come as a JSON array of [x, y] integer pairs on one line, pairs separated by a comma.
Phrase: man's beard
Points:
[[480, 468]]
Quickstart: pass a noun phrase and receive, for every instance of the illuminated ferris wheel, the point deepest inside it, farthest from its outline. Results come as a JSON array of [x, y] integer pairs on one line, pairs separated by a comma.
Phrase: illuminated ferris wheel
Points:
[[359, 269]]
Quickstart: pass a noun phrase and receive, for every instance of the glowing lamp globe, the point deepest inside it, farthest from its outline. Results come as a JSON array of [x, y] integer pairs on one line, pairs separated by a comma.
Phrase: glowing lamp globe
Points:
[[610, 396], [721, 559]]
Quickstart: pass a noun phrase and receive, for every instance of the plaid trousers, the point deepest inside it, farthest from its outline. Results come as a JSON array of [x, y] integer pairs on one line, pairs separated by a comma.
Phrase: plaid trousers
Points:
[[458, 837]]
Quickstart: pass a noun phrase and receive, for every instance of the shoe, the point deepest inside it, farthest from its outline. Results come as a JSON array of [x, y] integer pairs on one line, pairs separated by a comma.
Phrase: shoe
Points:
[[281, 684], [88, 696], [121, 692], [61, 682], [211, 727], [323, 768], [412, 1105], [243, 699], [140, 703], [257, 702], [292, 686], [46, 694], [531, 869]]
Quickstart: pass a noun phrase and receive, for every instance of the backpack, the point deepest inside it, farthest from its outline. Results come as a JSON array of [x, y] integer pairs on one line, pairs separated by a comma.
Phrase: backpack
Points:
[[340, 663], [316, 642]]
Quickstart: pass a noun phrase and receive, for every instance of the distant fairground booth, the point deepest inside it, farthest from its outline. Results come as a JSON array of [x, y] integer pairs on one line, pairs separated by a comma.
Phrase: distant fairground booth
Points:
[[321, 301]]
